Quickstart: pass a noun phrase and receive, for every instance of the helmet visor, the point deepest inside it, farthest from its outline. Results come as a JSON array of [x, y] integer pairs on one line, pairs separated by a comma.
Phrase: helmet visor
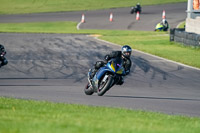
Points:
[[127, 53]]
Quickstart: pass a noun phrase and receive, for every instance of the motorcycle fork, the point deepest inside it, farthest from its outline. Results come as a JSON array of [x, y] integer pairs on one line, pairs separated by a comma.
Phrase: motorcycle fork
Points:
[[105, 78]]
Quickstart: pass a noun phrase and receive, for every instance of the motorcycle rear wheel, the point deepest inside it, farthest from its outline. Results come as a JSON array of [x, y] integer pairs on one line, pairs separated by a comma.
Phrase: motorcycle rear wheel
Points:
[[88, 89]]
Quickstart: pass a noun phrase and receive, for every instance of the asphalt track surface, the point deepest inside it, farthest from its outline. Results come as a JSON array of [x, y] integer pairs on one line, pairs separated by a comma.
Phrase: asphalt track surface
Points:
[[54, 67]]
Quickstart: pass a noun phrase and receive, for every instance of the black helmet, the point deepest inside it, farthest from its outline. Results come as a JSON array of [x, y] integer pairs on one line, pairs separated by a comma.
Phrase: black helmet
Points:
[[126, 51]]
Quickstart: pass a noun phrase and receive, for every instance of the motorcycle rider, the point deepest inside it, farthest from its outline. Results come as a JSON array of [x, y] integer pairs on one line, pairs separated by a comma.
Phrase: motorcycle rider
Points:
[[165, 24], [136, 8], [2, 54], [125, 54]]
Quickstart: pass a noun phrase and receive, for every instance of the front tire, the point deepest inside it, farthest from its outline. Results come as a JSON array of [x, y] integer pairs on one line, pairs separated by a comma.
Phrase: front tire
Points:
[[103, 87], [132, 11], [88, 89]]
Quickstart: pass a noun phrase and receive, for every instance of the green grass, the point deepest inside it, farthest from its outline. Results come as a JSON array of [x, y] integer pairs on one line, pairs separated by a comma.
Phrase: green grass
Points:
[[156, 43], [40, 27], [182, 25], [35, 6], [28, 116]]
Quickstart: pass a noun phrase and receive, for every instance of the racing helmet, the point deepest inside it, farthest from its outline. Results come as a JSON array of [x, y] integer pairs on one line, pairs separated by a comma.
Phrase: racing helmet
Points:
[[126, 51], [164, 21]]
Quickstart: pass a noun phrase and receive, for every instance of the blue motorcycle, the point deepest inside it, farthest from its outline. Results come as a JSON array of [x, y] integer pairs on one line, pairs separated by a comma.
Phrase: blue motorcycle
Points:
[[106, 77]]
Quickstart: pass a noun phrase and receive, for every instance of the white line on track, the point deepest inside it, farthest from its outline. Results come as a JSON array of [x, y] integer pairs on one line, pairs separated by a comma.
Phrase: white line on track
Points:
[[78, 25]]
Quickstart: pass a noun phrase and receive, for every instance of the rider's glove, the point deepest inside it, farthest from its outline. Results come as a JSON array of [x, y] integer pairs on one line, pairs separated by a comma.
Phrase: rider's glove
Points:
[[107, 57]]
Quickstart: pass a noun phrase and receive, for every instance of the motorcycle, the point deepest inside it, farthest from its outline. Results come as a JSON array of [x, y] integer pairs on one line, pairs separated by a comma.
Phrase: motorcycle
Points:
[[160, 27], [135, 9], [106, 77], [3, 59]]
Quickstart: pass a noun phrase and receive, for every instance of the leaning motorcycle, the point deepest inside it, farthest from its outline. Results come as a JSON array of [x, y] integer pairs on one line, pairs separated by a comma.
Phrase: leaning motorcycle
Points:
[[160, 27], [106, 77]]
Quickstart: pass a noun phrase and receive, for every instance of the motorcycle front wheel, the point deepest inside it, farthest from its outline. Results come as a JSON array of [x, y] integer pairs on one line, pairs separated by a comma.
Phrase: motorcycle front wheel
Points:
[[132, 11], [104, 86]]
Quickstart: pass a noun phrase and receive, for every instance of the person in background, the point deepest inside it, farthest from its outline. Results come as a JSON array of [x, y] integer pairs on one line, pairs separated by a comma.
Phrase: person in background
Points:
[[162, 26], [165, 25]]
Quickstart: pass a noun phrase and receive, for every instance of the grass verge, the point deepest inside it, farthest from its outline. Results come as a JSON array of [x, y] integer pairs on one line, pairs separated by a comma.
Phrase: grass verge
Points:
[[28, 116], [156, 43], [182, 25], [36, 6]]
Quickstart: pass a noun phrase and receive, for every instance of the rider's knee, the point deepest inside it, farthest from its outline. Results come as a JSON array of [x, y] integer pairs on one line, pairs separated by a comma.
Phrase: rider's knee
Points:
[[4, 62]]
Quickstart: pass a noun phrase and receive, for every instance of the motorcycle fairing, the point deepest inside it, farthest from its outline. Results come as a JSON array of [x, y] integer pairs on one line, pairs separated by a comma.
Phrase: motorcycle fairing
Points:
[[159, 27], [113, 66]]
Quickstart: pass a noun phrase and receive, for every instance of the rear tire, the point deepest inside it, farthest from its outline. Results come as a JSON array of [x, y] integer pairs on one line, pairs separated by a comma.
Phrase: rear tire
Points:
[[104, 87], [88, 89]]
